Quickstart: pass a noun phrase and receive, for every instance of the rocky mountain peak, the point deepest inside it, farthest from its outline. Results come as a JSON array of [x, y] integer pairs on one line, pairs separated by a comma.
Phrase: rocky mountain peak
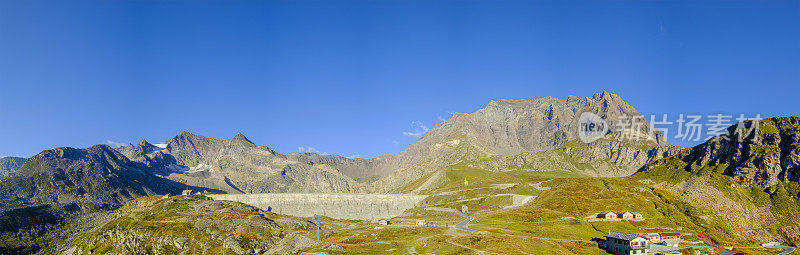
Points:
[[240, 137], [144, 143], [98, 174], [509, 127]]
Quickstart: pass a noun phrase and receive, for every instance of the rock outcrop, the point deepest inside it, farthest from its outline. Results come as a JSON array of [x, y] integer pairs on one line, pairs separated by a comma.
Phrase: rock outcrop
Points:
[[183, 225], [758, 153]]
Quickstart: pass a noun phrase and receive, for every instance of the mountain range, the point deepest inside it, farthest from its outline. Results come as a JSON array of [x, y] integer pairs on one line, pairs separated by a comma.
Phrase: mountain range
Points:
[[506, 134], [753, 170]]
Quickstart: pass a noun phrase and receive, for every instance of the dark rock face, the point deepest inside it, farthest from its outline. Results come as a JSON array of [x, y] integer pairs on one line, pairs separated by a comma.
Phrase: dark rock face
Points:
[[97, 174], [9, 165], [758, 156]]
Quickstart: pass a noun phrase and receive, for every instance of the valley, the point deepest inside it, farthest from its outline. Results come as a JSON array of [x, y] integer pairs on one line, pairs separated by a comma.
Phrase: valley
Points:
[[511, 178]]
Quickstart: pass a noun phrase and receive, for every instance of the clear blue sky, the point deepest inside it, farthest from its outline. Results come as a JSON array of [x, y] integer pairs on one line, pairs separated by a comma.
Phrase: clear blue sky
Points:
[[349, 77]]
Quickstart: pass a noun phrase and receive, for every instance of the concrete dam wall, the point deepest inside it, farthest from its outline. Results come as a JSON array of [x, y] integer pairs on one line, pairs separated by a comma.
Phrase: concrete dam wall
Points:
[[339, 206]]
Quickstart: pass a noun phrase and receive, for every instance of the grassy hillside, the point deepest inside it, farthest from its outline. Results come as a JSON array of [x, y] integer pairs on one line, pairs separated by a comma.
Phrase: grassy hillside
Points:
[[763, 214], [554, 222], [181, 224]]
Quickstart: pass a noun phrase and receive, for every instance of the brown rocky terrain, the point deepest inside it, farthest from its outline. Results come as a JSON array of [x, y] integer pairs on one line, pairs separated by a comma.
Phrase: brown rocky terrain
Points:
[[759, 153], [511, 134], [190, 225]]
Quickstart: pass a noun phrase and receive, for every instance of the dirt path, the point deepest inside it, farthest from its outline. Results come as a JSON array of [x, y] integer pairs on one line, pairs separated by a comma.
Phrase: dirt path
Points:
[[470, 248]]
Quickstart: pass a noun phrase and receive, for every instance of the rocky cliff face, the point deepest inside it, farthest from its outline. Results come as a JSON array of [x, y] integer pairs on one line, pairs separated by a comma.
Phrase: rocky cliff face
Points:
[[97, 174], [510, 127], [609, 157], [507, 129], [9, 165], [237, 165], [760, 153]]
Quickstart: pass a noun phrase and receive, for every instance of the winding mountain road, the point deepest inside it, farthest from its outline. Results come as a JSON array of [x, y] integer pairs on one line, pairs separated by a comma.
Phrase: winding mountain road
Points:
[[464, 224]]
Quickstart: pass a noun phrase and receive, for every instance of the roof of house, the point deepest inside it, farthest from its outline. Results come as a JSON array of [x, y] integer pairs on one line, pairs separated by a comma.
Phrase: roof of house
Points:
[[671, 234], [623, 236], [636, 213], [605, 212]]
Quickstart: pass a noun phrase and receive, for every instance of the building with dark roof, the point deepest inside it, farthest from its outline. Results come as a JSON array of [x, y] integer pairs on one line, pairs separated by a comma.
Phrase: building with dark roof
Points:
[[607, 215], [626, 244]]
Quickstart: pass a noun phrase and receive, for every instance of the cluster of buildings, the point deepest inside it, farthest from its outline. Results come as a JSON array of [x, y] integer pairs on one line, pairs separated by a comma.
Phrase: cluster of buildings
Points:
[[190, 192], [623, 215], [629, 244], [419, 222]]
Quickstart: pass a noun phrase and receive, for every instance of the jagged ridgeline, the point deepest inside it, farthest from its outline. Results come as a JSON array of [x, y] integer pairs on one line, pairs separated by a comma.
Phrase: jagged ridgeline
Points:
[[237, 165], [507, 135], [750, 177], [539, 134], [65, 189]]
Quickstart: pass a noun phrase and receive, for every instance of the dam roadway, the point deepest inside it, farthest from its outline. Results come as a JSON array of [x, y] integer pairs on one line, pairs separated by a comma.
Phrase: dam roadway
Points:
[[349, 206]]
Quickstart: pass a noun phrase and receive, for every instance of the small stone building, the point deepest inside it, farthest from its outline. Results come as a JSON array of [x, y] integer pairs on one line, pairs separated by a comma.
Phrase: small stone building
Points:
[[607, 215], [383, 222], [186, 192], [625, 215], [638, 216], [420, 222]]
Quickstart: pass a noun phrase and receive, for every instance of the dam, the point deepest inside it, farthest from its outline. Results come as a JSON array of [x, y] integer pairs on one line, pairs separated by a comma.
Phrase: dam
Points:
[[335, 205]]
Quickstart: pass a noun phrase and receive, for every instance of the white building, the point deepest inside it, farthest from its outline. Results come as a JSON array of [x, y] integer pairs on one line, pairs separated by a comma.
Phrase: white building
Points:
[[607, 215], [625, 215], [626, 244]]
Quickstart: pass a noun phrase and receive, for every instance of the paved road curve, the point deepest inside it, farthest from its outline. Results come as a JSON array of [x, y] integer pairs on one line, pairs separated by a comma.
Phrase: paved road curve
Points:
[[464, 224]]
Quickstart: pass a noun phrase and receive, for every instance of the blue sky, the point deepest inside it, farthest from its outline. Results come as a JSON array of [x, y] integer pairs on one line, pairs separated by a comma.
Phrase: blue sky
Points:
[[350, 77]]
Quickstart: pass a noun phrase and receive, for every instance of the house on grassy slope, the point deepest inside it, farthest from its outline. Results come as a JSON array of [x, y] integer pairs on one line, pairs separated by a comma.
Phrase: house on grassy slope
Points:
[[626, 244], [608, 215]]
